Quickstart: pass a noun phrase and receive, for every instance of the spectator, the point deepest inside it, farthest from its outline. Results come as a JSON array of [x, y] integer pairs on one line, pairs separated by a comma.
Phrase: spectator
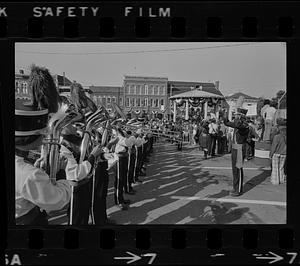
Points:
[[204, 137], [213, 131], [221, 137], [269, 115], [250, 144], [278, 155]]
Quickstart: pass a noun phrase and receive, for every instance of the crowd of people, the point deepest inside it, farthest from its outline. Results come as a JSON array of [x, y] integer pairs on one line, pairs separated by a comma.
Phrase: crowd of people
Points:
[[215, 138]]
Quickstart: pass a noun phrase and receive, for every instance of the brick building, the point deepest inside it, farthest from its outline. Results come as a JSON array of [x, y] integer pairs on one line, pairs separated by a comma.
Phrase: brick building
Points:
[[105, 95], [148, 94]]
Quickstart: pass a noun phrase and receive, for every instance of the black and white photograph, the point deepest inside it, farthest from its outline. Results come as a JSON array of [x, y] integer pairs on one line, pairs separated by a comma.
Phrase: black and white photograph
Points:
[[150, 133]]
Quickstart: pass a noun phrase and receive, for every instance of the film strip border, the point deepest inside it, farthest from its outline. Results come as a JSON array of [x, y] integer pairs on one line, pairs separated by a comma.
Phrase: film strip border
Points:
[[159, 245], [175, 21]]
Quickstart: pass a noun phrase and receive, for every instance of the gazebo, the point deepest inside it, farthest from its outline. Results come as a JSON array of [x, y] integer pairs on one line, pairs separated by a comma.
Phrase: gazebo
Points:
[[196, 98]]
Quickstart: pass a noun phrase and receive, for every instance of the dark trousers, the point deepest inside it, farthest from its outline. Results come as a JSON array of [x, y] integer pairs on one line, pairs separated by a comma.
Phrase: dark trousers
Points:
[[120, 179], [221, 144], [131, 165], [139, 161], [238, 174], [151, 144], [212, 145], [100, 193], [82, 197]]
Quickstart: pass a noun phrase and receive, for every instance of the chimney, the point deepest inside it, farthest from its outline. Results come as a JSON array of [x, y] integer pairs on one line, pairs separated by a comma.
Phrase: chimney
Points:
[[217, 83]]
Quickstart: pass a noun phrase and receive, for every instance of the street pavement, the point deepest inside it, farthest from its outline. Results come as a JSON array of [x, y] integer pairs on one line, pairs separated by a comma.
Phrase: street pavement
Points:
[[182, 188]]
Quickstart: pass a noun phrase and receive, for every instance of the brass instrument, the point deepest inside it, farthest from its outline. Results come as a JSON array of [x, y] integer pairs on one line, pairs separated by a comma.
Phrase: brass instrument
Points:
[[50, 148], [92, 122]]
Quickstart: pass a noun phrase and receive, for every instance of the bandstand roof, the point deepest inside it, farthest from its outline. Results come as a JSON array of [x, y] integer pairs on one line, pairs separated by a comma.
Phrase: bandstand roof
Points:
[[196, 94]]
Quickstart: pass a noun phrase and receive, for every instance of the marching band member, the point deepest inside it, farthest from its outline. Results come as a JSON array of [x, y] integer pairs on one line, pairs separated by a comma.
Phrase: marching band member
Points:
[[240, 134], [35, 193], [139, 152], [121, 152], [76, 172], [131, 162], [79, 173]]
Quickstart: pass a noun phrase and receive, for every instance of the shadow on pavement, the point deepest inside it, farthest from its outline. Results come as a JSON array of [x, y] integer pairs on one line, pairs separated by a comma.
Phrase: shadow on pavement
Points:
[[255, 181]]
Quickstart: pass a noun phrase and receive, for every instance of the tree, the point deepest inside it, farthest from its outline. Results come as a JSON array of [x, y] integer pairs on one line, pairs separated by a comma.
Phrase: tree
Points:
[[280, 97]]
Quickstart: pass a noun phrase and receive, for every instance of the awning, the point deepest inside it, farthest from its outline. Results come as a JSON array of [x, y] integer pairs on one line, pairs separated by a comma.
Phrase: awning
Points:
[[196, 94]]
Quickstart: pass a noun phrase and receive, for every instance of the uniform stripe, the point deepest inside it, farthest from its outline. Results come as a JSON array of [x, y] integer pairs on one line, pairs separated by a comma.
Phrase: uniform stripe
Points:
[[240, 180], [71, 205], [31, 132], [118, 181], [31, 113]]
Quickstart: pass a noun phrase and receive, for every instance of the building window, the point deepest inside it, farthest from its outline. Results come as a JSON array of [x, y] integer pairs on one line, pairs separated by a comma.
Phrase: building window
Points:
[[127, 103], [131, 89], [156, 90], [151, 102], [108, 100], [162, 102], [150, 90], [114, 99], [127, 89], [18, 87], [163, 90], [120, 101], [138, 102], [146, 89], [142, 90], [104, 100], [138, 89], [146, 102], [132, 102]]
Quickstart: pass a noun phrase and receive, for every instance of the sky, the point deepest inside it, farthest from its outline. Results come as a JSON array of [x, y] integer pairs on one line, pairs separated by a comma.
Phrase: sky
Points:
[[257, 69]]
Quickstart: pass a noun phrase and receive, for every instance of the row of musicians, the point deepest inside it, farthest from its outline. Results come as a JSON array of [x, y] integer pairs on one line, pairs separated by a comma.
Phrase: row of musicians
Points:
[[83, 185]]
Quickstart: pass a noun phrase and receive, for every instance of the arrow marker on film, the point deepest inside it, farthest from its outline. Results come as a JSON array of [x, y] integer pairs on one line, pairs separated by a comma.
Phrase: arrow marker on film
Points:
[[275, 257], [131, 259]]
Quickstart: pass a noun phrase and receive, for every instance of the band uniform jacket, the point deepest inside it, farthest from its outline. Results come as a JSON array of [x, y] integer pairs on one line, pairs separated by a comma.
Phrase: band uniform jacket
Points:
[[241, 129], [34, 188]]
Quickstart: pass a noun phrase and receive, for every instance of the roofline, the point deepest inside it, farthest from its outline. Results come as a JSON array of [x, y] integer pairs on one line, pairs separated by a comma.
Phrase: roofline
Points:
[[199, 82], [145, 77]]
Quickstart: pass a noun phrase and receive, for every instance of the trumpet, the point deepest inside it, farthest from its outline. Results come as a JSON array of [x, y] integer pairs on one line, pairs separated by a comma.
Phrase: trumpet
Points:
[[50, 147]]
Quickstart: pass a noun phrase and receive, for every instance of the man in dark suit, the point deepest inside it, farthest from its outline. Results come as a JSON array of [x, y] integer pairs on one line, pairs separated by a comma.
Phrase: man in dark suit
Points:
[[240, 134]]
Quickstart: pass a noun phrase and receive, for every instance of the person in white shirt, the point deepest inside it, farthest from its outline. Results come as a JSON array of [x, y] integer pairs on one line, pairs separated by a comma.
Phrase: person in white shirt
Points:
[[268, 114], [213, 130], [35, 194]]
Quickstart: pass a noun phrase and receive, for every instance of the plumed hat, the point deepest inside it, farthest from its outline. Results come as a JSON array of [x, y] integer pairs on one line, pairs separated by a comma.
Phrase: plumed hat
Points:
[[42, 89], [80, 100], [28, 119]]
